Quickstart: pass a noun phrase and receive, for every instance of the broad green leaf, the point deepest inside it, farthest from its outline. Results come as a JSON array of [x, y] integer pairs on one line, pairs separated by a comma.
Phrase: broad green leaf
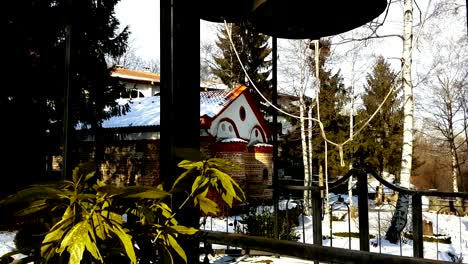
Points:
[[85, 196], [184, 229], [151, 194], [89, 175], [225, 179], [206, 205], [76, 175], [227, 198], [126, 241], [32, 194], [177, 248], [75, 241], [35, 206], [76, 251], [228, 184], [100, 226], [199, 182], [187, 164], [91, 244]]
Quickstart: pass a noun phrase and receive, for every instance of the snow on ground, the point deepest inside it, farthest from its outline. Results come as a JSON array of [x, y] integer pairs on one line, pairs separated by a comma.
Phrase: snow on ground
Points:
[[455, 227]]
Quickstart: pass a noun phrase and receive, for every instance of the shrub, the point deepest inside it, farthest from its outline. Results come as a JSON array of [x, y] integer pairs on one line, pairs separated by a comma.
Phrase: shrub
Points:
[[260, 221], [88, 220]]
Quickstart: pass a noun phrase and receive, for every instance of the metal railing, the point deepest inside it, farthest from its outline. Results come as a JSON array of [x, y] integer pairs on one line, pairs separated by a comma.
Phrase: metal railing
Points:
[[320, 253]]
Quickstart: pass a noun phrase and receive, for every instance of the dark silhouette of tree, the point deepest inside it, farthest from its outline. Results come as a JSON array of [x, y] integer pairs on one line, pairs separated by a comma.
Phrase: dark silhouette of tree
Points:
[[31, 98]]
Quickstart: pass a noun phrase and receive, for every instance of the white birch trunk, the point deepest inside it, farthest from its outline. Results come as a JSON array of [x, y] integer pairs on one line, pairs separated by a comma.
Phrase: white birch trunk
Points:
[[351, 135], [302, 109], [453, 153], [407, 151], [399, 218]]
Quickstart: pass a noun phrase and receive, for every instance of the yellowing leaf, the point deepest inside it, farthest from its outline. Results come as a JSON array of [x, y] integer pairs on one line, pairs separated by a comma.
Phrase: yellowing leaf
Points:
[[177, 248]]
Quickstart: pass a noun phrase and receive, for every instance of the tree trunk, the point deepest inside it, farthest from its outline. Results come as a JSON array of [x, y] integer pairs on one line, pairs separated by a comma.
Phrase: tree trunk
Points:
[[399, 218], [305, 159], [407, 151], [453, 153]]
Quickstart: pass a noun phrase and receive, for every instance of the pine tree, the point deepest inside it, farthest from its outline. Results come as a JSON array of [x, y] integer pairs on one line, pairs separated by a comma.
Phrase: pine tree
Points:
[[31, 102], [253, 50], [382, 138], [335, 123]]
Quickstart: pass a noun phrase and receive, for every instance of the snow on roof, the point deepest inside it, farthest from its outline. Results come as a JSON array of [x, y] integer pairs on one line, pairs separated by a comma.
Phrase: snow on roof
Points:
[[229, 140], [145, 111], [212, 102], [263, 145]]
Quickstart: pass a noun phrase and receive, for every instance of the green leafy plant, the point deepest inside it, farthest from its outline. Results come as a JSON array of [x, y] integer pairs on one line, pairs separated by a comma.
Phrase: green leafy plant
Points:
[[91, 221]]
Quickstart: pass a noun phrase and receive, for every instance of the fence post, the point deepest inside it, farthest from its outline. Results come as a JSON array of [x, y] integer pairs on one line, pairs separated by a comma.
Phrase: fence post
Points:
[[418, 243], [317, 217], [363, 204]]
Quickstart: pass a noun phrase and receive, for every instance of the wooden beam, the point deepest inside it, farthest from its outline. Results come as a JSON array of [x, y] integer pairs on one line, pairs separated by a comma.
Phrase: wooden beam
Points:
[[309, 251]]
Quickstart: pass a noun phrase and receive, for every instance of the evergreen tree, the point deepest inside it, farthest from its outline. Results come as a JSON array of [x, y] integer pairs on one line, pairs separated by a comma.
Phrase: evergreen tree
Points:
[[253, 50], [31, 101], [335, 122], [382, 138]]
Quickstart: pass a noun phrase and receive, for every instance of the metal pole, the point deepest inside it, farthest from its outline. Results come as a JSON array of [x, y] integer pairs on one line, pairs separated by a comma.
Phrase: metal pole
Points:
[[274, 98], [66, 94], [363, 200]]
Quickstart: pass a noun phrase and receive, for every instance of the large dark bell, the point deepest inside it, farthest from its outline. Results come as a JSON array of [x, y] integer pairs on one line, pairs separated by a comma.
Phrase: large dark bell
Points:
[[308, 19], [219, 10]]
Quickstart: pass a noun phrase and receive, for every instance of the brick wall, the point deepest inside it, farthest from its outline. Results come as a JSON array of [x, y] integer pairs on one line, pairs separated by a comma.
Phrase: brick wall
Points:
[[126, 162], [234, 152], [259, 171], [138, 161]]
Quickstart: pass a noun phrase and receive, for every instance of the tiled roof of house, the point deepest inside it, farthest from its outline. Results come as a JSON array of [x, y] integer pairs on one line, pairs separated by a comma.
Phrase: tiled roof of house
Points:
[[146, 111], [136, 75]]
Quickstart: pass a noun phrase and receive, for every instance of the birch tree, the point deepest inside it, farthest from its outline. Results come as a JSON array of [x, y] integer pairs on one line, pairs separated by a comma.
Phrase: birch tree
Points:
[[447, 90], [297, 71]]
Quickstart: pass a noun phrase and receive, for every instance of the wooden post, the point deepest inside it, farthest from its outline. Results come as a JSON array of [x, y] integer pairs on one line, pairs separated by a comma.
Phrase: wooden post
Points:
[[316, 217], [363, 204], [180, 103], [418, 248]]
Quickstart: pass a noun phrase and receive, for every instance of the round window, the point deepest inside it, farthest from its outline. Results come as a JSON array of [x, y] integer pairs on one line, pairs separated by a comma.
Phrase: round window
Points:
[[230, 128], [242, 113], [256, 133], [223, 127]]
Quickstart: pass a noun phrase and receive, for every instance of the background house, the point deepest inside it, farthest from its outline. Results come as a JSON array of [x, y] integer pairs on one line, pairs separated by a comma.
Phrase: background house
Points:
[[138, 83], [231, 127]]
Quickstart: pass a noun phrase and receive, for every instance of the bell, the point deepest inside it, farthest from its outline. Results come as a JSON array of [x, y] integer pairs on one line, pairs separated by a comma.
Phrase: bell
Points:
[[306, 19], [219, 10]]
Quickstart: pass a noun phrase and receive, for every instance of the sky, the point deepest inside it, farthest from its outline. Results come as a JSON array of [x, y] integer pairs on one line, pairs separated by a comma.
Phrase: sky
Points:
[[142, 16]]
